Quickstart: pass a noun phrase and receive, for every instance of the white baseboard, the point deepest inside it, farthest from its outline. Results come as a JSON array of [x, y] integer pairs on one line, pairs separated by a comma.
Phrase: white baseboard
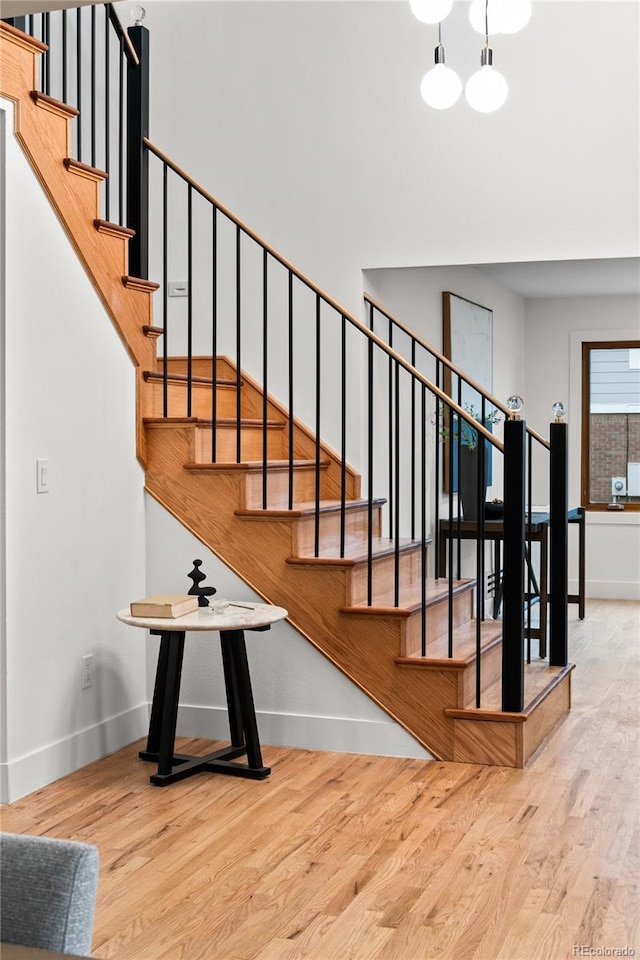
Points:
[[344, 735], [25, 774], [612, 589]]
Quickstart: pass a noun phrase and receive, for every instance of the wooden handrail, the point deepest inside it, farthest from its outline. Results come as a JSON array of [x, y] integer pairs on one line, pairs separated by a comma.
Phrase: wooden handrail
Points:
[[460, 411], [451, 366], [122, 35]]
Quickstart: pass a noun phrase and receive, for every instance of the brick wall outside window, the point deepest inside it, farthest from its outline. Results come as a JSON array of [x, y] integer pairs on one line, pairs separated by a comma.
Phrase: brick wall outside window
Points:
[[614, 442]]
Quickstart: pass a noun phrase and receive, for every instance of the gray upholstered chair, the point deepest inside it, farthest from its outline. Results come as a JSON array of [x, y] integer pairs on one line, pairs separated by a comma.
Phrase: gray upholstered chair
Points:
[[47, 892]]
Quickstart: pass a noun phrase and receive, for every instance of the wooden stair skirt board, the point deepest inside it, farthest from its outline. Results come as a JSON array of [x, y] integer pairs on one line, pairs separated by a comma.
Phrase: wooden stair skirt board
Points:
[[511, 739]]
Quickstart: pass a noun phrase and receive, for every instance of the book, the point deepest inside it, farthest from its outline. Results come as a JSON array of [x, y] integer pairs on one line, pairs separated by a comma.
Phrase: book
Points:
[[169, 605]]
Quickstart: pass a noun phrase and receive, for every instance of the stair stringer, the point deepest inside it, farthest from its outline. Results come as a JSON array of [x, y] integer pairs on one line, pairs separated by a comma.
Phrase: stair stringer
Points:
[[42, 127]]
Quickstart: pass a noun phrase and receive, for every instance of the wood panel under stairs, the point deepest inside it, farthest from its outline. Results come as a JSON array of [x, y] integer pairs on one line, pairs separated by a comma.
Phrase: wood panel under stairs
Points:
[[270, 546]]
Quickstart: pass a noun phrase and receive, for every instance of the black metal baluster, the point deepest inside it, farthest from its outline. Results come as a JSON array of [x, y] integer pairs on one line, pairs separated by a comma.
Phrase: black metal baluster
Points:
[[530, 555], [316, 535], [396, 565], [137, 154], [291, 372], [64, 56], [79, 83], [189, 298], [437, 435], [238, 346], [214, 333], [458, 443], [107, 116], [121, 138], [165, 288], [413, 442], [343, 428], [390, 434], [423, 531], [370, 478], [46, 36], [93, 85], [480, 543], [452, 483], [265, 344]]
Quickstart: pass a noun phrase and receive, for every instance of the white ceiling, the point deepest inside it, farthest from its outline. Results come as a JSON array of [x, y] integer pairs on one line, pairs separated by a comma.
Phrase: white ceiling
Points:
[[568, 278]]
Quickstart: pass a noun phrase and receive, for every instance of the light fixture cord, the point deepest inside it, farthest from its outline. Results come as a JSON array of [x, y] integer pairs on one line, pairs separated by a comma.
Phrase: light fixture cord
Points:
[[486, 22]]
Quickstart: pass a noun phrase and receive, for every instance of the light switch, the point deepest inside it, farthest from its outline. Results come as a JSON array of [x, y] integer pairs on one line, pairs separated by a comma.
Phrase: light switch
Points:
[[42, 476], [178, 288]]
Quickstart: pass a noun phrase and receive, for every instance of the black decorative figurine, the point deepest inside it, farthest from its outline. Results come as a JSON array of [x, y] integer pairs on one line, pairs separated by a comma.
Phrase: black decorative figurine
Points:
[[196, 590]]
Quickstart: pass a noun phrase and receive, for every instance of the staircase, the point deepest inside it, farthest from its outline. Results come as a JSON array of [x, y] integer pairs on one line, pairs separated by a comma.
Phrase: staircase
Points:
[[279, 506]]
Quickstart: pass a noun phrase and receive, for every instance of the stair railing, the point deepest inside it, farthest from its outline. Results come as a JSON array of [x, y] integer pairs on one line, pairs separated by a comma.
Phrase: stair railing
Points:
[[88, 64], [249, 310]]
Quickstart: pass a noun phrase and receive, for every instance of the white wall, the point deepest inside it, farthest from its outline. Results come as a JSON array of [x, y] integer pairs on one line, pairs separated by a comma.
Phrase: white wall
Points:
[[555, 330], [305, 118], [301, 699], [75, 555]]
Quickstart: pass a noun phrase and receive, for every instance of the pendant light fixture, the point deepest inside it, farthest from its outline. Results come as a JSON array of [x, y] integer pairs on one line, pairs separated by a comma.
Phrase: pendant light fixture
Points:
[[441, 86], [487, 89]]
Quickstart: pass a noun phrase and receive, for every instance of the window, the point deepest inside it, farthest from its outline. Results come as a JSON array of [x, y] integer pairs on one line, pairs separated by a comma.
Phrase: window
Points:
[[611, 425]]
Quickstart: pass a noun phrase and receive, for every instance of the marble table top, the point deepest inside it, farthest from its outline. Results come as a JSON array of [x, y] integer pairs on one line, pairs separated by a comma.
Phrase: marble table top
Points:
[[237, 615]]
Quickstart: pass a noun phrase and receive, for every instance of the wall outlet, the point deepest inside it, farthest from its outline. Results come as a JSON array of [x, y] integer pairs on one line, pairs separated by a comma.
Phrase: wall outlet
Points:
[[87, 671]]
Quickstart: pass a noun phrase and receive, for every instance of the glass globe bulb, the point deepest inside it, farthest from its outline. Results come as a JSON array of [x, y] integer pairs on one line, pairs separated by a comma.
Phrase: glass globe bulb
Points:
[[486, 90], [137, 14], [558, 410], [515, 404], [441, 87], [430, 11], [514, 15], [505, 16], [477, 17]]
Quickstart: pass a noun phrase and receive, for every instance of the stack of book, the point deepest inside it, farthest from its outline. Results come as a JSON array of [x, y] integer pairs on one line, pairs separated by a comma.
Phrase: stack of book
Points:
[[164, 605]]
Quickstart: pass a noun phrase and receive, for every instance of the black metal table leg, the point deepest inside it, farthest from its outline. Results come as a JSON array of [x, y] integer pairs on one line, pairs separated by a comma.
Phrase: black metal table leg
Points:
[[243, 727]]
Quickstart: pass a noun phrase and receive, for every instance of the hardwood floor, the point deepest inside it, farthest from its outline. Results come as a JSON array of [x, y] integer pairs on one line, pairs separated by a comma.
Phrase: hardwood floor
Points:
[[347, 857]]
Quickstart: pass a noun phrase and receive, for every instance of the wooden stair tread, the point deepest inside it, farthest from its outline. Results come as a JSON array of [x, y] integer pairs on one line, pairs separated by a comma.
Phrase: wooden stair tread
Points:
[[464, 646], [539, 680], [84, 170], [307, 508], [410, 603], [155, 376], [113, 229], [140, 284], [150, 331], [256, 465], [380, 547], [58, 107]]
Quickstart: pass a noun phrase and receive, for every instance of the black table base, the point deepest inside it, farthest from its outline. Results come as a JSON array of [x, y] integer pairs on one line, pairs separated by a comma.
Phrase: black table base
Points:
[[243, 728]]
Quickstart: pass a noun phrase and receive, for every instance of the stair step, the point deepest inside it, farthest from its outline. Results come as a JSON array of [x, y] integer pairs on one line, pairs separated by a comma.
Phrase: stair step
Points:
[[152, 332], [304, 479], [84, 170], [201, 391], [139, 284], [251, 439], [58, 107], [113, 229]]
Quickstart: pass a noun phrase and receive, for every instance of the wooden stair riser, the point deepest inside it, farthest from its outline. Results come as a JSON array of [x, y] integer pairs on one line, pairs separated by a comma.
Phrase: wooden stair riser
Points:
[[251, 443], [356, 527], [436, 621], [200, 400], [304, 487], [410, 569]]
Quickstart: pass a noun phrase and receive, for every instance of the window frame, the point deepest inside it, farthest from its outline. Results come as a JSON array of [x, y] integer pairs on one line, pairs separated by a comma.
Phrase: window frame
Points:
[[587, 347]]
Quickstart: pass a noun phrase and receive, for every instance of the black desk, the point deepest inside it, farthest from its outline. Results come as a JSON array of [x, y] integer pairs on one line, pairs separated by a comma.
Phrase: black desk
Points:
[[230, 624], [536, 531]]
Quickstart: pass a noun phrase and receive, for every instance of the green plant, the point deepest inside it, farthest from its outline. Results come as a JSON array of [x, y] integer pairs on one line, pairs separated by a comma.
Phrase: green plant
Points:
[[451, 422]]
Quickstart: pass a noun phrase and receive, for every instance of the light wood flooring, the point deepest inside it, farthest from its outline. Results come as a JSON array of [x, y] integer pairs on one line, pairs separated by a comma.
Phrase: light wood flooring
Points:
[[347, 857]]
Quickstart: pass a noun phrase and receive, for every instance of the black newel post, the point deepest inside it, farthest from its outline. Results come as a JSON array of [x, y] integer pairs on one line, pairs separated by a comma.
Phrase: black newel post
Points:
[[513, 579], [137, 156], [558, 565]]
